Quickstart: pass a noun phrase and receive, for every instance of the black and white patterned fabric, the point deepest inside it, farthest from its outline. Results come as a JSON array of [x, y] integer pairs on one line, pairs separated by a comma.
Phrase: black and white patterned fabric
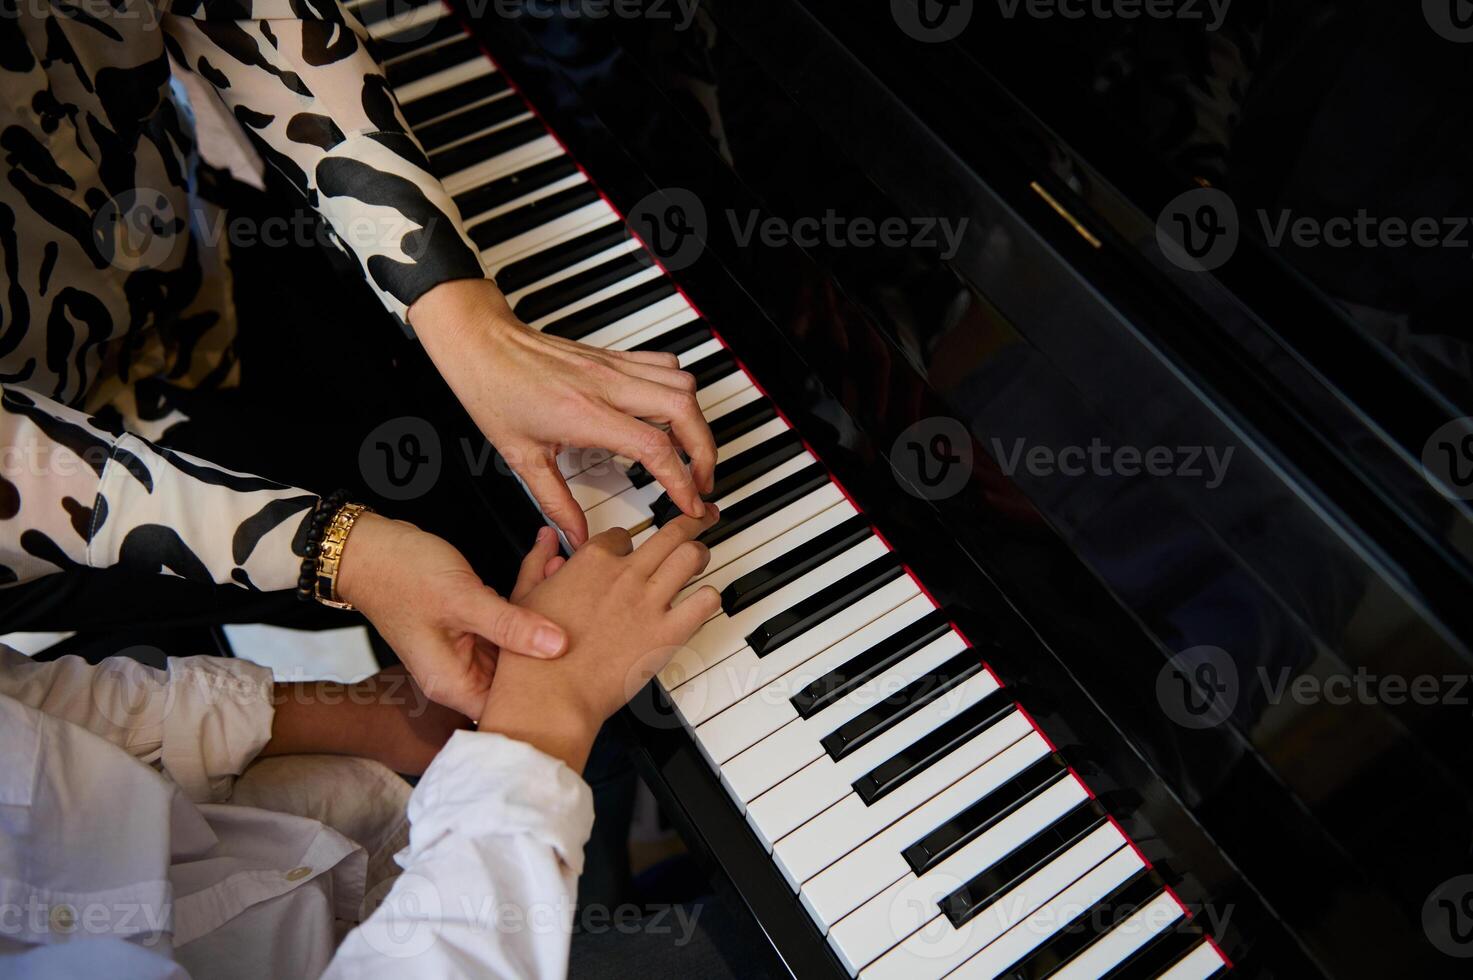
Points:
[[114, 286]]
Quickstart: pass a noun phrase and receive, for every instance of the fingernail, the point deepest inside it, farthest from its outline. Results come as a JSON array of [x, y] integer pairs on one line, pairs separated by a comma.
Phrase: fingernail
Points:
[[547, 641], [543, 533], [700, 507]]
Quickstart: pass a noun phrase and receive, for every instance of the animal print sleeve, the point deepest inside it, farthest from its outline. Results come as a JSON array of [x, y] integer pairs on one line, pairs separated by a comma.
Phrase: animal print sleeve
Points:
[[75, 494], [297, 76]]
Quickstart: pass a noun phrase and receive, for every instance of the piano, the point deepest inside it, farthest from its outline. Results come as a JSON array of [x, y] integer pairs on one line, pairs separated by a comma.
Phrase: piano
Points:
[[957, 715]]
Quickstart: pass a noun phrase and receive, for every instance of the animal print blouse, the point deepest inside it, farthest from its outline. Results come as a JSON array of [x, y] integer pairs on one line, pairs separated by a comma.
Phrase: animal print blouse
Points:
[[113, 289]]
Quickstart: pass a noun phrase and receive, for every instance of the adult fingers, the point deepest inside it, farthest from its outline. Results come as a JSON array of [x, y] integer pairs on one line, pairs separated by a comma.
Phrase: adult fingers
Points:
[[512, 628], [539, 471]]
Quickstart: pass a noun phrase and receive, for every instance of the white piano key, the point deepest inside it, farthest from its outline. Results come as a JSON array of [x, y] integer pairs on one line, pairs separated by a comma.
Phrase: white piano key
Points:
[[724, 388], [440, 80], [656, 312], [652, 332], [1043, 924], [823, 782], [723, 685], [775, 475], [769, 708], [1201, 963], [593, 262], [598, 483], [537, 151], [631, 510], [701, 352], [773, 550], [769, 527], [1111, 949], [767, 430], [790, 748], [724, 635], [569, 225], [562, 184], [417, 17], [741, 399], [908, 913], [849, 823], [571, 462], [872, 867], [642, 276]]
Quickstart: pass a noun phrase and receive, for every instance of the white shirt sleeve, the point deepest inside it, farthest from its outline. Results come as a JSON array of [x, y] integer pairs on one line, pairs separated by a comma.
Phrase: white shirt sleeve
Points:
[[496, 839], [202, 721]]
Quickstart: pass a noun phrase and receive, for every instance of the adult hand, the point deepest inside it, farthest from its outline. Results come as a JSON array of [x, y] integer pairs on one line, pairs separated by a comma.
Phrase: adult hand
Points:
[[447, 627], [615, 602], [533, 395]]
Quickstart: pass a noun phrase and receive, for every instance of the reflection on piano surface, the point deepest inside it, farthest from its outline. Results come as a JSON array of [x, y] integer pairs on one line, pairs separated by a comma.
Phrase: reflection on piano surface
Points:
[[978, 776]]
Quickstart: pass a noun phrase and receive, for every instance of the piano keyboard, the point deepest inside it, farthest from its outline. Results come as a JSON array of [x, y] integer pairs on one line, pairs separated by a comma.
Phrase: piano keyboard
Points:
[[923, 822]]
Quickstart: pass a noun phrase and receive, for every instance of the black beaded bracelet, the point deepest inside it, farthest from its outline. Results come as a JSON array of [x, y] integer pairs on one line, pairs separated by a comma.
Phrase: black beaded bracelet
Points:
[[317, 527]]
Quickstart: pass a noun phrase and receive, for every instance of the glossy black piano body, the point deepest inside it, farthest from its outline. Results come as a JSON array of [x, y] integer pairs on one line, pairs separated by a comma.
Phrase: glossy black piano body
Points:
[[1040, 314]]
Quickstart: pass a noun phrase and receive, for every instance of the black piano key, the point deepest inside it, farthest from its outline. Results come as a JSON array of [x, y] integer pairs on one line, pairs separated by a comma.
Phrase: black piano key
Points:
[[985, 813], [521, 220], [474, 151], [473, 120], [411, 39], [566, 292], [915, 758], [427, 63], [879, 658], [436, 104], [979, 893], [736, 472], [739, 421], [552, 260], [826, 602], [708, 370], [503, 190], [762, 582], [764, 503], [1086, 927], [860, 729], [678, 341], [1160, 954], [376, 10], [578, 325]]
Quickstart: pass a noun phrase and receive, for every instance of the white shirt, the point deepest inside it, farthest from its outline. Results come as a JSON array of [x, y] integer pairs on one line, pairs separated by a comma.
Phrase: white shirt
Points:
[[118, 861]]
